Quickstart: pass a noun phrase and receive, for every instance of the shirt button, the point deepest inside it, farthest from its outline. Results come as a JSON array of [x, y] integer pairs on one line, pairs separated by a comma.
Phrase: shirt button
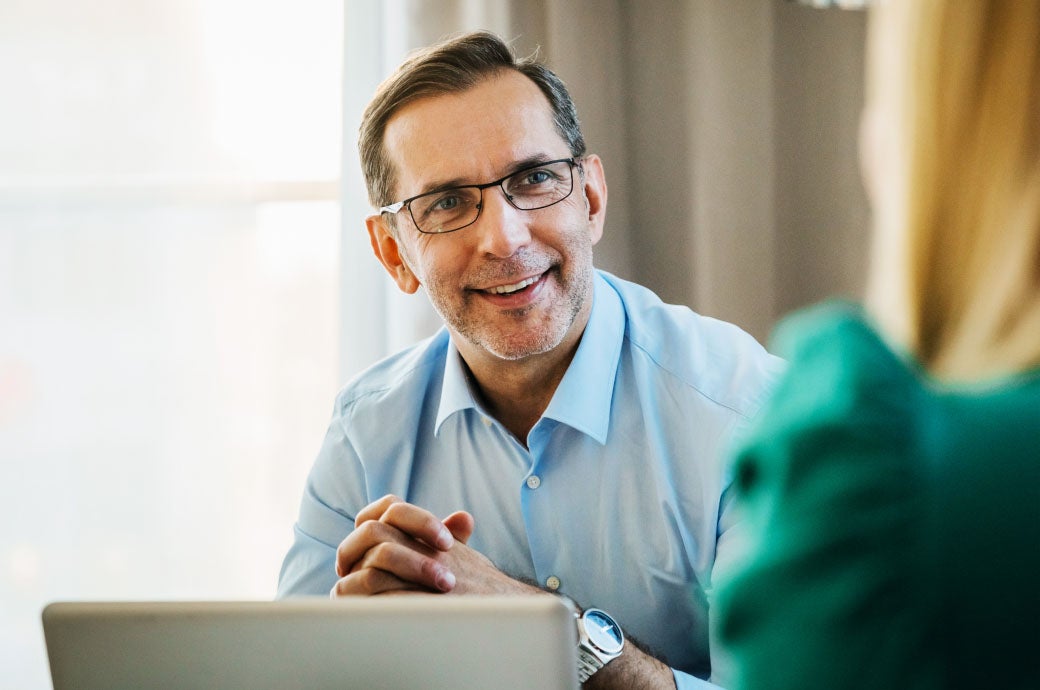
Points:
[[552, 582], [487, 421], [533, 482]]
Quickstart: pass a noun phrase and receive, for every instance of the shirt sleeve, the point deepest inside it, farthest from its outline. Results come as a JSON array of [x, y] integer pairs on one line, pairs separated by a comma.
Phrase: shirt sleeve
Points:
[[820, 595], [685, 681], [335, 491]]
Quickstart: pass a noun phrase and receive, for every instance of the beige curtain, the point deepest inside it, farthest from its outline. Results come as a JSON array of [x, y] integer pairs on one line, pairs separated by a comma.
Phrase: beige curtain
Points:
[[727, 128]]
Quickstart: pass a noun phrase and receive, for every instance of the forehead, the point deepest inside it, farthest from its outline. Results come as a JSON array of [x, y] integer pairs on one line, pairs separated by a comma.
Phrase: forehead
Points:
[[471, 136]]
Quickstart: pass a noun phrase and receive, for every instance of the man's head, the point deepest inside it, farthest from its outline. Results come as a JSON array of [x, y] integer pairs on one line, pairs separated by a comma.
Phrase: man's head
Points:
[[451, 67], [516, 279]]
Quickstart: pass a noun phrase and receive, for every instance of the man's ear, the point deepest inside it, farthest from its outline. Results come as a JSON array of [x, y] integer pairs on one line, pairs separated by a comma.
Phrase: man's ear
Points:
[[595, 195], [386, 249]]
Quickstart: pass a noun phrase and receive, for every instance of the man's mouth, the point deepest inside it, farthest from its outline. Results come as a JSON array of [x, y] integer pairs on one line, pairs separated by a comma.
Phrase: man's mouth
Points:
[[513, 287]]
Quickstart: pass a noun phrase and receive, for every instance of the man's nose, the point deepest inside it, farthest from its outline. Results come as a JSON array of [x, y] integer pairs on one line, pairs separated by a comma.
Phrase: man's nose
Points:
[[502, 227]]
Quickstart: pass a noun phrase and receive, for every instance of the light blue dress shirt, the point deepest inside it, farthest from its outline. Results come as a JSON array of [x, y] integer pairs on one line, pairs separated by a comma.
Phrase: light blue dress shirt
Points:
[[618, 500]]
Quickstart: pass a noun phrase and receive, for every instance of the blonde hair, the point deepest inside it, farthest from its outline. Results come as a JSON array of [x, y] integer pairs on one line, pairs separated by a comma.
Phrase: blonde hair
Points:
[[955, 275]]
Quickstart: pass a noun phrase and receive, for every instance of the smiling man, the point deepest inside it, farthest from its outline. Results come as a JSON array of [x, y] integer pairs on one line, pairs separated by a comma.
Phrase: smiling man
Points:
[[566, 431]]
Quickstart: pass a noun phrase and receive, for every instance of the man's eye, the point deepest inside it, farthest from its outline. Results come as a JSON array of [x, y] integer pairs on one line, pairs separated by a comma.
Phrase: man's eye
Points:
[[536, 177], [446, 203]]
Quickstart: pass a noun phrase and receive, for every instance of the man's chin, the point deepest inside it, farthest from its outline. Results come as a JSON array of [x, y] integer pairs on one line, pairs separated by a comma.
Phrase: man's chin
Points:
[[515, 335], [515, 352]]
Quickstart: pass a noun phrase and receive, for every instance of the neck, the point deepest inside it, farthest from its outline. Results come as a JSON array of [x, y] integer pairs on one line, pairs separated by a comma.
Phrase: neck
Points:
[[516, 392]]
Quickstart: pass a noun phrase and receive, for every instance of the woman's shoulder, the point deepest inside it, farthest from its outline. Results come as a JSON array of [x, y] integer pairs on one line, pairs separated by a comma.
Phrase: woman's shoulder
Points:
[[829, 489], [878, 502], [844, 383], [838, 338]]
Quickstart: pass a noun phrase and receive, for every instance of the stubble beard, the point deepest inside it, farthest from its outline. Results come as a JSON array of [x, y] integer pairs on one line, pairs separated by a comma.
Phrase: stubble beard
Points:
[[536, 338]]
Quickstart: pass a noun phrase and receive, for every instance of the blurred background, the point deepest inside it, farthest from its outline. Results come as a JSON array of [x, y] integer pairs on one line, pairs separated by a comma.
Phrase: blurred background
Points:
[[185, 279]]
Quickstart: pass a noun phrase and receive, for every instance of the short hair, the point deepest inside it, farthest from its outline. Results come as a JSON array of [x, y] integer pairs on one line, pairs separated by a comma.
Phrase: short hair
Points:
[[955, 276], [452, 66]]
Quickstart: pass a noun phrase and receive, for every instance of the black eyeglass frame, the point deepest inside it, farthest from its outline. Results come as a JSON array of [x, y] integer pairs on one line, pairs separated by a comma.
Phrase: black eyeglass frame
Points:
[[407, 203]]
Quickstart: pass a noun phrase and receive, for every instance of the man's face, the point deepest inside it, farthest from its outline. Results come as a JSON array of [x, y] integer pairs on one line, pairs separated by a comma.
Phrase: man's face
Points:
[[515, 283]]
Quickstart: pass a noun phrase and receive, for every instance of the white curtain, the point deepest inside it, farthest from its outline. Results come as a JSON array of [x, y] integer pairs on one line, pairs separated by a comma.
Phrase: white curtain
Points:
[[169, 261]]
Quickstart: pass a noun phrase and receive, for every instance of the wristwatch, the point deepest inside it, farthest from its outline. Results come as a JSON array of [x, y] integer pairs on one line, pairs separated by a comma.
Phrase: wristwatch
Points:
[[600, 641]]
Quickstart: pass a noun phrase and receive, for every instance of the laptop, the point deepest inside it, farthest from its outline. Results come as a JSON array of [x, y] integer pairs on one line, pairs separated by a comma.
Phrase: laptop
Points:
[[414, 641]]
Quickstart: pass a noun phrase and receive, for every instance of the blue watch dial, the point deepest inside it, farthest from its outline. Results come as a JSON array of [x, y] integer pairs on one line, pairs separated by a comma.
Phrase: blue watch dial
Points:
[[603, 631]]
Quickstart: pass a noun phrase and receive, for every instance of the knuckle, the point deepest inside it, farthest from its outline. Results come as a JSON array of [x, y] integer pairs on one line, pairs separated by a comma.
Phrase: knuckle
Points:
[[395, 511], [433, 525], [368, 531], [380, 554], [369, 579], [342, 551], [428, 569]]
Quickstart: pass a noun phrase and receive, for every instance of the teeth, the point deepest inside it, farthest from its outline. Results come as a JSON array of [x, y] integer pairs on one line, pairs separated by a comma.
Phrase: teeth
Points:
[[503, 289]]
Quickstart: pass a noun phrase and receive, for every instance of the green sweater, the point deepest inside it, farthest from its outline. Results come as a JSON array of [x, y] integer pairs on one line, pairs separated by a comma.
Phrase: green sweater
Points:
[[890, 524]]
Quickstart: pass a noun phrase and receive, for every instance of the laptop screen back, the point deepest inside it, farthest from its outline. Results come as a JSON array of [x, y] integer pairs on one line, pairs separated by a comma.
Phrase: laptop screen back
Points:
[[421, 641]]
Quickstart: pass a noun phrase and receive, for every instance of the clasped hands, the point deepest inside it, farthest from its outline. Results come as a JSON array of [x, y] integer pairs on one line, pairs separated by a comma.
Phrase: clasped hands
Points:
[[397, 547]]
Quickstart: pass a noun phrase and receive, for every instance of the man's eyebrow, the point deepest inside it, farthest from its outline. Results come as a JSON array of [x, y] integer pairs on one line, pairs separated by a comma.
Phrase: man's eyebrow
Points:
[[529, 162], [512, 169], [440, 186]]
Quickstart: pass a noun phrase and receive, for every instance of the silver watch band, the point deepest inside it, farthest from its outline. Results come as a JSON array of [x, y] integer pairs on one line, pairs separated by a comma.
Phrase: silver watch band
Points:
[[588, 663]]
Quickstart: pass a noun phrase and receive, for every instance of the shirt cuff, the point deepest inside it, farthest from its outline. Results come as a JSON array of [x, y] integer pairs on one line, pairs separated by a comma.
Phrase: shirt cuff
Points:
[[684, 681]]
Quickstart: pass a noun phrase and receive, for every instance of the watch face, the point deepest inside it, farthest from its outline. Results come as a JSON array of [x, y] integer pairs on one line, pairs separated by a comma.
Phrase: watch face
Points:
[[603, 631]]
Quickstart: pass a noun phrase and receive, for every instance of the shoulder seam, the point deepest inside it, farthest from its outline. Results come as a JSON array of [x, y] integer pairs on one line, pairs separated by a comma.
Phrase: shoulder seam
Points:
[[685, 382]]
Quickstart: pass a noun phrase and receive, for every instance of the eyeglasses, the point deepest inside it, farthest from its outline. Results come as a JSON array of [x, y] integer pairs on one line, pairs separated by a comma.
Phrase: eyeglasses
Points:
[[448, 210]]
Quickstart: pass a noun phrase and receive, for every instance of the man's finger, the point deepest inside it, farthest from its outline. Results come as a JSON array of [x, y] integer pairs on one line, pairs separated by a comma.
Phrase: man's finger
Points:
[[375, 509], [409, 565], [368, 582], [460, 524], [418, 523], [356, 544]]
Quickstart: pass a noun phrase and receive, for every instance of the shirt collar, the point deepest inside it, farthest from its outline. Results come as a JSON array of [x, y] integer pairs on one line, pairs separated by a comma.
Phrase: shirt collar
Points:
[[455, 393], [584, 396]]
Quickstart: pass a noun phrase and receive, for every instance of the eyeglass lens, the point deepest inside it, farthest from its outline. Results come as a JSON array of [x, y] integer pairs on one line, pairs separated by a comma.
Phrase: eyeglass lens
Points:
[[533, 188]]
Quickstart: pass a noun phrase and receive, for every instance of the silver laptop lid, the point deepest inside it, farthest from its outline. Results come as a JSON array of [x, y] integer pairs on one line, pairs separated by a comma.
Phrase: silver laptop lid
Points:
[[411, 641]]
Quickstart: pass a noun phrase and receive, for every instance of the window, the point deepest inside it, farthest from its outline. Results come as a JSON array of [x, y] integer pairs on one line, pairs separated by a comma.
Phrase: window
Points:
[[169, 281]]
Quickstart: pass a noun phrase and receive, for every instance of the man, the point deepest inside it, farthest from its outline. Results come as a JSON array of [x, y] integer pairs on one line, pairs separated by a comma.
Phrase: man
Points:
[[566, 431]]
